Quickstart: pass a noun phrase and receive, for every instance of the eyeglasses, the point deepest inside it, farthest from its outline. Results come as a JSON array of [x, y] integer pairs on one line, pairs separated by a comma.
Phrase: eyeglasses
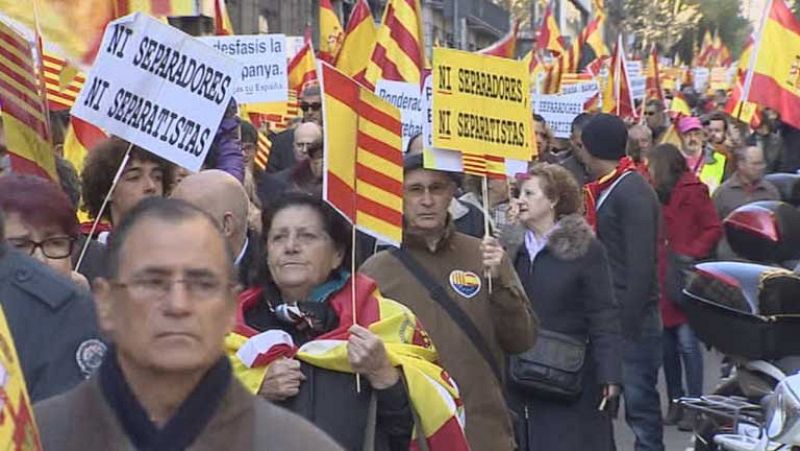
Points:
[[56, 247], [157, 287], [310, 106], [649, 113]]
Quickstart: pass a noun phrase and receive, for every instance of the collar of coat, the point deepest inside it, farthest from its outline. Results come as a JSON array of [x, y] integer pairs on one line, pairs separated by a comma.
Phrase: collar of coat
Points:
[[569, 239]]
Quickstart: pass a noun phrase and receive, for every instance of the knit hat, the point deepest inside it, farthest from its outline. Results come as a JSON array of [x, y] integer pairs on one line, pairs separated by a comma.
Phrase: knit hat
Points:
[[689, 123], [605, 137]]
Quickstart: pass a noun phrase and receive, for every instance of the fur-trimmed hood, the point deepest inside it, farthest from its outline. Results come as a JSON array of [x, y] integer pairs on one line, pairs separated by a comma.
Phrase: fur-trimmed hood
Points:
[[571, 237]]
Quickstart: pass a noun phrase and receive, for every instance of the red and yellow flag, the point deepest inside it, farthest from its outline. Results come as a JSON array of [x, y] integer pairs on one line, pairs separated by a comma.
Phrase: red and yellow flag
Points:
[[158, 8], [263, 149], [549, 34], [302, 68], [653, 84], [330, 32], [222, 21], [363, 156], [399, 53], [23, 107], [359, 41], [81, 137], [506, 47], [617, 96], [776, 75], [63, 82], [431, 392]]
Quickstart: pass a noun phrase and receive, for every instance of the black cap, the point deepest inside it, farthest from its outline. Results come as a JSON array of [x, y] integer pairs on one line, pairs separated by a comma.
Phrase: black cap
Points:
[[605, 137]]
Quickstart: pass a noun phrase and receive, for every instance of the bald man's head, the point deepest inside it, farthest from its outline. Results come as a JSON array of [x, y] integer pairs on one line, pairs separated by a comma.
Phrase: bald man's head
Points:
[[223, 197], [307, 134]]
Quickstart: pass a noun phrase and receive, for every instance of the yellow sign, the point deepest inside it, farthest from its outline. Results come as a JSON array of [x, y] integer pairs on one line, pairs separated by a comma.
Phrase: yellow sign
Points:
[[481, 104], [17, 428]]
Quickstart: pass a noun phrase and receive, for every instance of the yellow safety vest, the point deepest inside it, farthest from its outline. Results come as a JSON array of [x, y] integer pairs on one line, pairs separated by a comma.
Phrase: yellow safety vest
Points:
[[713, 172]]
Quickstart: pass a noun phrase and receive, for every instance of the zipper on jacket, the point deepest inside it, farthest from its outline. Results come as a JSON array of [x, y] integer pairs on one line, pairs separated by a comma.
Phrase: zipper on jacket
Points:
[[527, 415]]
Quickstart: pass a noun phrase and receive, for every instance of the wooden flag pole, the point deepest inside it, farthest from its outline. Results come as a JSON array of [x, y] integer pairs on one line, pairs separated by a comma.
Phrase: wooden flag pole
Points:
[[117, 176], [748, 80], [485, 197], [353, 287]]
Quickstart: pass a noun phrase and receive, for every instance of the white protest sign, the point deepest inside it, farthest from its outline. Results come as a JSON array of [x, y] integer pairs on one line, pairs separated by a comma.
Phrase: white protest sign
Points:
[[588, 88], [634, 68], [158, 88], [559, 111], [293, 45], [638, 87], [408, 99], [701, 78], [263, 76]]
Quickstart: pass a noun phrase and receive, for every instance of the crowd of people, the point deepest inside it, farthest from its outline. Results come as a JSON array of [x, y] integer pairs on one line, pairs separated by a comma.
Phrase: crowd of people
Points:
[[234, 308]]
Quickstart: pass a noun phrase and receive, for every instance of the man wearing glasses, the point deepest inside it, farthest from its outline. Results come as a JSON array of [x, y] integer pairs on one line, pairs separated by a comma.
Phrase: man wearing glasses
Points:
[[656, 118], [282, 155], [167, 304]]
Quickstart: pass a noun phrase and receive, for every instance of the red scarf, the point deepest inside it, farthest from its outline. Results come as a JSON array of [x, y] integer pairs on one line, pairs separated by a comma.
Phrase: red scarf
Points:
[[593, 190]]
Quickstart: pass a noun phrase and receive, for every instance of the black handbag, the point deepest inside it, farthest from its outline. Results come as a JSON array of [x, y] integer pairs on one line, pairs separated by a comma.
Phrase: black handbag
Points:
[[553, 368], [679, 267]]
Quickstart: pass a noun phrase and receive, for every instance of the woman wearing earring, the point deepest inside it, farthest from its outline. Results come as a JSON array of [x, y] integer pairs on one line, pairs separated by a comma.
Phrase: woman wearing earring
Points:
[[564, 271]]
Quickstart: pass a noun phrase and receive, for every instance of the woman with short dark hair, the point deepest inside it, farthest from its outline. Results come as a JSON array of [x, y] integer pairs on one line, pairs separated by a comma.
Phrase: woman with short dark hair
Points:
[[690, 231], [564, 271]]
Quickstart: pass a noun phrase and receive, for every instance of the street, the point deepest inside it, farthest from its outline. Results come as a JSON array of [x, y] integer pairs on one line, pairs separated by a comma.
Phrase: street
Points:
[[674, 440]]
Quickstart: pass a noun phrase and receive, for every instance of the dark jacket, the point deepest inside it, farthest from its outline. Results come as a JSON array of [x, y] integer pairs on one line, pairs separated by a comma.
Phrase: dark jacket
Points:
[[502, 317], [52, 322], [570, 281], [226, 149], [93, 265], [329, 398], [296, 178], [281, 156], [252, 267], [82, 420], [627, 225], [691, 228]]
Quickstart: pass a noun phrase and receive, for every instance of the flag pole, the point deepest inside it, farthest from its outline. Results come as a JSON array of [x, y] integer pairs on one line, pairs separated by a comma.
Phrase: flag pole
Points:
[[486, 233], [748, 81], [617, 74], [99, 217], [353, 280]]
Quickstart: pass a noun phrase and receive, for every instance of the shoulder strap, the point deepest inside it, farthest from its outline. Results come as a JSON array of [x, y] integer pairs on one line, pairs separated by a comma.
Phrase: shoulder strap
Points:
[[439, 294]]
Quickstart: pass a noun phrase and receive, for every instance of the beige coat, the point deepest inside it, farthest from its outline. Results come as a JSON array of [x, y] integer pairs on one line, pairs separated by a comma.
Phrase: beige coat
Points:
[[503, 318], [80, 420]]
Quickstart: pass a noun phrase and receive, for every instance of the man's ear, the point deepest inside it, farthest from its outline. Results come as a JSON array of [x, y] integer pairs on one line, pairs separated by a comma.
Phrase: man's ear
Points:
[[103, 306], [228, 224]]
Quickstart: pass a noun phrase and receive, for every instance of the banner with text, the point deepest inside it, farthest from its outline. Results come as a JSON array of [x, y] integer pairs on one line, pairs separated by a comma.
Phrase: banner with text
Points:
[[481, 102], [263, 65], [407, 98], [158, 88], [559, 111]]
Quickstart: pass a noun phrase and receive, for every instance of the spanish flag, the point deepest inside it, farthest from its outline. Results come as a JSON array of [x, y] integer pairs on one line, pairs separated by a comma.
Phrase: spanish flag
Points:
[[549, 34], [302, 68], [363, 175], [399, 53], [617, 96], [23, 106], [222, 21], [776, 75], [505, 47], [359, 41], [81, 137], [330, 32], [431, 392], [653, 84]]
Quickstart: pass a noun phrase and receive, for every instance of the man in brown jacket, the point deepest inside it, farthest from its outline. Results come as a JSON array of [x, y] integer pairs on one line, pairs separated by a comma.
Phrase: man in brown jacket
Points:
[[502, 321], [165, 383]]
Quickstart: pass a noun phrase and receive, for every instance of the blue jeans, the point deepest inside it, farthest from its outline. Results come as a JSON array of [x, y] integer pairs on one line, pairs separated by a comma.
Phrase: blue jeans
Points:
[[682, 351], [641, 361]]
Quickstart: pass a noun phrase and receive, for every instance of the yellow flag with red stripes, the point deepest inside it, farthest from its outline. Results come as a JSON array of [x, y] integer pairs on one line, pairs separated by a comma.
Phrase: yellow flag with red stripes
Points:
[[399, 53], [63, 81], [23, 107], [263, 148], [358, 42], [363, 156]]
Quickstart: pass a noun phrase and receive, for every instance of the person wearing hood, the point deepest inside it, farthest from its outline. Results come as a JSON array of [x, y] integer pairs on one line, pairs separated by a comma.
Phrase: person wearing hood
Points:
[[565, 269], [691, 230]]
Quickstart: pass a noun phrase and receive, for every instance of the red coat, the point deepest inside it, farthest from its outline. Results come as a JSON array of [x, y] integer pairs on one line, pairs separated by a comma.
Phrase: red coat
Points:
[[691, 226]]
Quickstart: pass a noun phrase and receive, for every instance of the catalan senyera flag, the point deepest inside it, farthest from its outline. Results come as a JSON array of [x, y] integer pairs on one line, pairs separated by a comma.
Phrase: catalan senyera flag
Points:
[[549, 37], [363, 156], [302, 68], [706, 48], [776, 75], [618, 96], [330, 32], [63, 80], [23, 107], [263, 149], [359, 41], [653, 84], [158, 8], [484, 165], [431, 392], [506, 47], [17, 428], [76, 27], [399, 53], [222, 21], [81, 137]]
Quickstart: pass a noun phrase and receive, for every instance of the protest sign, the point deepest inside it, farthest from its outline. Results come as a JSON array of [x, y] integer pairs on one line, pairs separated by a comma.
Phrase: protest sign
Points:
[[158, 88], [587, 88], [481, 102], [559, 111], [720, 78], [701, 78], [634, 68], [638, 87], [263, 65], [17, 428], [293, 45], [407, 98]]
